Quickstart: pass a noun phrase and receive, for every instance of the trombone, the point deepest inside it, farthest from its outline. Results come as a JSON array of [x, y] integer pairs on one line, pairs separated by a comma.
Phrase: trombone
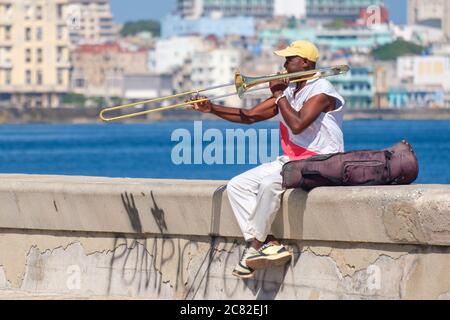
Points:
[[243, 84]]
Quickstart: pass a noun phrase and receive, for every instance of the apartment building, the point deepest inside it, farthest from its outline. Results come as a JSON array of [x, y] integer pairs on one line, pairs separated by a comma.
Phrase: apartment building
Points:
[[216, 67], [194, 9], [34, 52], [91, 21], [433, 13], [99, 69], [342, 9]]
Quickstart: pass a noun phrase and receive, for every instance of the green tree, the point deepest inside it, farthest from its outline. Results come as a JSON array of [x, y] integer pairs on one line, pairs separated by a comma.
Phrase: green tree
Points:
[[336, 24], [396, 49], [99, 101], [74, 98], [134, 27], [116, 100]]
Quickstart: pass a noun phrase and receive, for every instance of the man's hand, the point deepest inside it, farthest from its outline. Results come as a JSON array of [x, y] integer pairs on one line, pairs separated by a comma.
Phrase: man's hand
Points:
[[205, 106], [278, 86]]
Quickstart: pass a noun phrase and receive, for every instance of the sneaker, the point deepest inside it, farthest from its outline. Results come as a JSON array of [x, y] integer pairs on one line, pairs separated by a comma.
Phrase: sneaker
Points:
[[242, 270], [270, 255]]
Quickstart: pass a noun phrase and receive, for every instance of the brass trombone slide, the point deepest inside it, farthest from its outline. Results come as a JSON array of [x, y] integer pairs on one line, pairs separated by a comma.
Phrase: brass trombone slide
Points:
[[242, 83]]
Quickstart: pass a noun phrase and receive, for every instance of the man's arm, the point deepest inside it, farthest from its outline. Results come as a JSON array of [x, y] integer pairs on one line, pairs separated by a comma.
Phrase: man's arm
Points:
[[298, 121], [263, 111]]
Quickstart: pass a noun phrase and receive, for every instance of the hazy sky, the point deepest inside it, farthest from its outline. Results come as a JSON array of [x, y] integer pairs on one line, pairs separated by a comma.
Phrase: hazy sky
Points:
[[125, 10]]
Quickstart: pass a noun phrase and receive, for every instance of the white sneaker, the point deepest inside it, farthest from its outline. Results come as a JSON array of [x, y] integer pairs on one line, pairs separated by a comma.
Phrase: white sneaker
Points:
[[242, 270]]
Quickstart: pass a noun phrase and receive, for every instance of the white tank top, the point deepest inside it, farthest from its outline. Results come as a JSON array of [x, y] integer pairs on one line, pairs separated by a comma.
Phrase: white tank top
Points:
[[323, 136]]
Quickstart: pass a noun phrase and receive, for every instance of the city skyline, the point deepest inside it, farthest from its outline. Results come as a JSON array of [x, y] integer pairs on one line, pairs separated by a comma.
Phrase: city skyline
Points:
[[143, 9]]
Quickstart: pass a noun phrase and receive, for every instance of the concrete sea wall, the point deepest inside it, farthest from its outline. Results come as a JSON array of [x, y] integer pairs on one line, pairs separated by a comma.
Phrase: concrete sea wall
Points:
[[92, 237]]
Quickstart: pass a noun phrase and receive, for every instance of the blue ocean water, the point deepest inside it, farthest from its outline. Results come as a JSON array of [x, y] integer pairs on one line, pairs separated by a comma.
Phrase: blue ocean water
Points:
[[145, 150]]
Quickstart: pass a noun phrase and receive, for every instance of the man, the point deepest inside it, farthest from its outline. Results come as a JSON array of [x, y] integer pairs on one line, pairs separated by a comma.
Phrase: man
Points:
[[311, 116]]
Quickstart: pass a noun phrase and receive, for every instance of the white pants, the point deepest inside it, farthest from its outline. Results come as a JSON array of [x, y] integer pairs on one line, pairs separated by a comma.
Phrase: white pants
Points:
[[255, 197]]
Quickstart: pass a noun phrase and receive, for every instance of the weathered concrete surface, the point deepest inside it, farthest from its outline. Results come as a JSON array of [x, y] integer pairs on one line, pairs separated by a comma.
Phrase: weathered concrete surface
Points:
[[403, 215], [133, 238]]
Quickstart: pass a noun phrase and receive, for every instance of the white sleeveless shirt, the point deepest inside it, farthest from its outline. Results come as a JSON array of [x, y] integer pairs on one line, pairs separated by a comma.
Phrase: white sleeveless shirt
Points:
[[323, 136]]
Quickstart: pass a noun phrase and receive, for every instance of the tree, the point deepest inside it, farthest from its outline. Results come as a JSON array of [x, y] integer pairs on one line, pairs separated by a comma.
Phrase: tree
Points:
[[99, 101], [336, 24], [74, 98], [132, 28], [396, 49]]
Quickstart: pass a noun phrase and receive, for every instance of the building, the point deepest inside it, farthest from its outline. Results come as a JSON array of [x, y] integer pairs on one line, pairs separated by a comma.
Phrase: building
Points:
[[216, 67], [413, 82], [356, 39], [357, 87], [343, 9], [420, 34], [264, 64], [194, 9], [189, 9], [426, 12], [99, 70], [414, 98], [34, 52], [91, 21], [425, 71], [139, 87], [290, 8], [171, 54], [433, 13], [173, 26], [385, 78]]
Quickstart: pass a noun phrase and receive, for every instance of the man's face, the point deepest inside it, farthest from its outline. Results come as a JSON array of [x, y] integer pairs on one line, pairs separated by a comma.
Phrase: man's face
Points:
[[296, 64]]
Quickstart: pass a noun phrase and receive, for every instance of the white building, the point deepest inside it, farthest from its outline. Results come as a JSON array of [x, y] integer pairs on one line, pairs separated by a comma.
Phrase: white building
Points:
[[290, 8], [426, 71], [420, 11], [216, 67], [430, 12], [170, 54], [419, 34], [194, 9], [91, 21]]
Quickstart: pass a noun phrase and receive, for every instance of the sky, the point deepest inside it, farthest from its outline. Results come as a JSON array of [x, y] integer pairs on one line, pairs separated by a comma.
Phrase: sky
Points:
[[127, 10]]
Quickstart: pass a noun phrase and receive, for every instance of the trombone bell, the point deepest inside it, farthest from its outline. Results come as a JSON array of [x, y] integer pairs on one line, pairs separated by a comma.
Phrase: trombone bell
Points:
[[244, 83]]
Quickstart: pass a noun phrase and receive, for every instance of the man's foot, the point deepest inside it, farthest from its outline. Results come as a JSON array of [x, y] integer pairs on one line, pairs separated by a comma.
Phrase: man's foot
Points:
[[270, 255], [242, 270]]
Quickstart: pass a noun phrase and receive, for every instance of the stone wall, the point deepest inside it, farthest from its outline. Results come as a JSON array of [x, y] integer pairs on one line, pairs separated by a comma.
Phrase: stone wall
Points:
[[167, 239]]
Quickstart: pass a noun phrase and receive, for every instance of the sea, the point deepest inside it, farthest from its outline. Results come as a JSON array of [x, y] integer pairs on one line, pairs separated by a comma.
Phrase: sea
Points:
[[166, 150]]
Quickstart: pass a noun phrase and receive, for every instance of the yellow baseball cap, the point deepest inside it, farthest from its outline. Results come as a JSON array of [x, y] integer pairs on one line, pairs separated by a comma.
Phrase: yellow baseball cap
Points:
[[301, 48]]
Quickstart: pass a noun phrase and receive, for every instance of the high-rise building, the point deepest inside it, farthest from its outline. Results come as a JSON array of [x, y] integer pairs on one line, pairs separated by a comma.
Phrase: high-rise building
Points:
[[34, 52], [434, 13], [342, 9], [426, 12], [173, 26], [194, 9], [91, 21]]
